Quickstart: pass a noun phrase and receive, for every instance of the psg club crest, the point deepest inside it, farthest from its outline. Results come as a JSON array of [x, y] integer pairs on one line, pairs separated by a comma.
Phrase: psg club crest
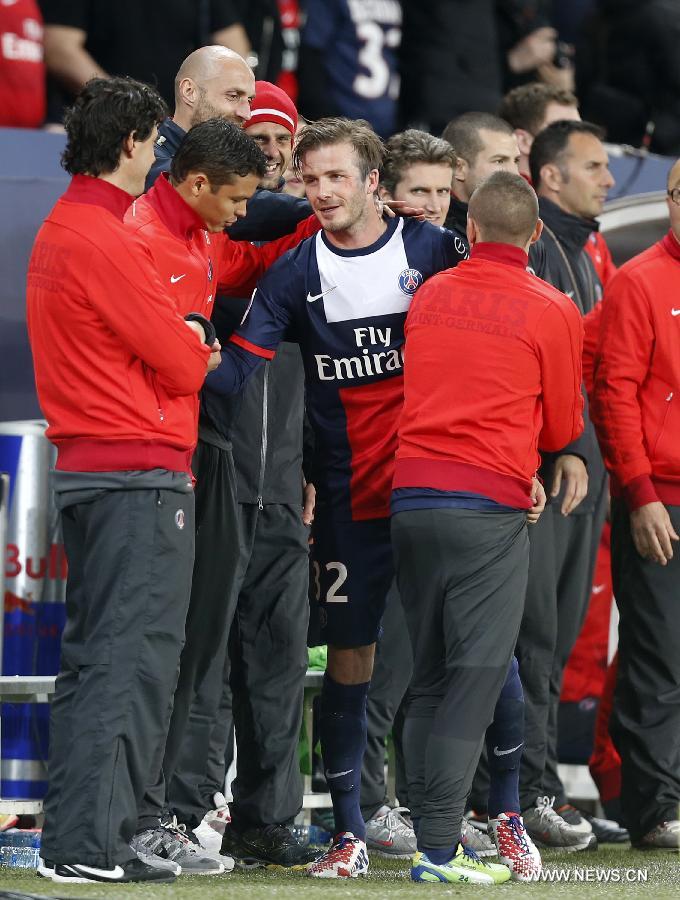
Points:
[[409, 281], [179, 519]]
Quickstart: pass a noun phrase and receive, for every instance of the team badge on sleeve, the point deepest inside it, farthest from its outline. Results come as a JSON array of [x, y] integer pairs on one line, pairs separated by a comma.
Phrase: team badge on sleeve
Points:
[[409, 281]]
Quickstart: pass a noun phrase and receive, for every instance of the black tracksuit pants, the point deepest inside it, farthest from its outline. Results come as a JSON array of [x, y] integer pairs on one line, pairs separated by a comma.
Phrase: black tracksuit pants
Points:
[[209, 615], [130, 554], [573, 596], [561, 564], [267, 663], [385, 707], [645, 722], [462, 579]]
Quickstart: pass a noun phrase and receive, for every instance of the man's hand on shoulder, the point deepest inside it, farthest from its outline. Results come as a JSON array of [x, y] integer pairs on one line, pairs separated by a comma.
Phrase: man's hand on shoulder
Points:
[[393, 208], [572, 471], [653, 532]]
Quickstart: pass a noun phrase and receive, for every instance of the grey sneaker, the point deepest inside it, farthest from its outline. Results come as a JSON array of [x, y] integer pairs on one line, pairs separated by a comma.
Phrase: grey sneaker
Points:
[[548, 829], [169, 842], [476, 839], [666, 836], [389, 834], [572, 816], [153, 859]]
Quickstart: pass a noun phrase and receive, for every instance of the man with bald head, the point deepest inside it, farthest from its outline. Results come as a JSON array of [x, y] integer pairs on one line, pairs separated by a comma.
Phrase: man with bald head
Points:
[[493, 372], [216, 82], [212, 82], [634, 408]]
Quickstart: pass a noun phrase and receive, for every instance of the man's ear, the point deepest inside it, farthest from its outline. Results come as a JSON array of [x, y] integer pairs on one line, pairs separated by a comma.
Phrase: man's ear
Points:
[[538, 231], [373, 181], [551, 177], [188, 91], [129, 144], [198, 183], [524, 141], [472, 231], [460, 173]]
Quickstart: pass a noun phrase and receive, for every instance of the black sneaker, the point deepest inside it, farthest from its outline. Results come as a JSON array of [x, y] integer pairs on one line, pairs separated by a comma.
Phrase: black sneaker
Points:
[[75, 873], [607, 831], [270, 845]]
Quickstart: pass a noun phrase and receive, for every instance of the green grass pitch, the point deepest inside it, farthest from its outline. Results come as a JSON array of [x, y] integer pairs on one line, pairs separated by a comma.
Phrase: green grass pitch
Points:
[[659, 878]]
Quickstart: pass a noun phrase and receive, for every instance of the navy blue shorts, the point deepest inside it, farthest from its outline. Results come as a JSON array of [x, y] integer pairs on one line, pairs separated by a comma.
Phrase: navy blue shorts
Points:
[[352, 570]]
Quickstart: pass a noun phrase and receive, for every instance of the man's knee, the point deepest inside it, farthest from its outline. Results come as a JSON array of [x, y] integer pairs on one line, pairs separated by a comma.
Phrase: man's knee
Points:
[[351, 665]]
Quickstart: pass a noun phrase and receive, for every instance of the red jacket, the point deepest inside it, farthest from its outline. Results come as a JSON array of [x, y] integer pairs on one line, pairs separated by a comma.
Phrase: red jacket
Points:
[[193, 264], [22, 68], [636, 405], [597, 249], [492, 369], [113, 359]]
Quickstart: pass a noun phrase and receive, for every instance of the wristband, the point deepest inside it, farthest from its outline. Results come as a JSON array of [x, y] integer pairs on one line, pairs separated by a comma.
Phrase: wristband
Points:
[[206, 325]]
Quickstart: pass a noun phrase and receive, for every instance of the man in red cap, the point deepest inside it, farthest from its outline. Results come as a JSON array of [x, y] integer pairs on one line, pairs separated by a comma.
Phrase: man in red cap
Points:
[[272, 124]]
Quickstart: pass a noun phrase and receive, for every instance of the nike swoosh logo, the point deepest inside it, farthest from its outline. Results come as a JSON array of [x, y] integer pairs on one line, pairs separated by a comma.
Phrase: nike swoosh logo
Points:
[[598, 588], [570, 294], [311, 299], [338, 774], [675, 312], [114, 874], [497, 752], [175, 278]]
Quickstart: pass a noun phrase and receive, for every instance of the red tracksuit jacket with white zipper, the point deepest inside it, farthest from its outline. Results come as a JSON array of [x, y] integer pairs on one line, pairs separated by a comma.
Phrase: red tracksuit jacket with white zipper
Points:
[[117, 369], [492, 370], [636, 404]]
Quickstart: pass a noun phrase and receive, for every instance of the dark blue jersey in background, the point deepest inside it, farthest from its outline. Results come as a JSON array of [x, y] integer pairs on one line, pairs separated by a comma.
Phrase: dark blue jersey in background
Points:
[[359, 40]]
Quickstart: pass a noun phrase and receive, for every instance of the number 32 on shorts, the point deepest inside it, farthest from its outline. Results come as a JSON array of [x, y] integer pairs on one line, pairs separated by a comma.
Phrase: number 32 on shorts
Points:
[[332, 596]]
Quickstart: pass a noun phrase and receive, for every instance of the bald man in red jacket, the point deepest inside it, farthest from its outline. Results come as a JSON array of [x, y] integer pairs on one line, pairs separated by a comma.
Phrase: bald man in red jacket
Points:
[[492, 371]]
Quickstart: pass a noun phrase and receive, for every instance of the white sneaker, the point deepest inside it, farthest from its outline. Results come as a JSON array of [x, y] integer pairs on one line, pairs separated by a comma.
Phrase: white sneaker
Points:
[[515, 848], [211, 830], [347, 857]]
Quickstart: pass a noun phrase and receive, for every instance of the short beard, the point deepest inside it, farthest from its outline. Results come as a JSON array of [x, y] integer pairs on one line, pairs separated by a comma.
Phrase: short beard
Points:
[[204, 110]]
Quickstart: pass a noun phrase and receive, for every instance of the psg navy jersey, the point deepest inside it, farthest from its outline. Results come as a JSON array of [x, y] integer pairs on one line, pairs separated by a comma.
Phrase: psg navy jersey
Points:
[[360, 40], [347, 309]]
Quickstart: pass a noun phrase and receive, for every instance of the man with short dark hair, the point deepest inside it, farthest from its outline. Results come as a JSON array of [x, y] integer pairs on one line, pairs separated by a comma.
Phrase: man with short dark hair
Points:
[[569, 169], [418, 170], [343, 296], [181, 220], [262, 488], [530, 108], [483, 144], [117, 372], [494, 371]]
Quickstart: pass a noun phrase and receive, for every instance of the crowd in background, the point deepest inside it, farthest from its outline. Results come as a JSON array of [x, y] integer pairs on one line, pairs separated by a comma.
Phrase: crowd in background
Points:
[[449, 67], [421, 64]]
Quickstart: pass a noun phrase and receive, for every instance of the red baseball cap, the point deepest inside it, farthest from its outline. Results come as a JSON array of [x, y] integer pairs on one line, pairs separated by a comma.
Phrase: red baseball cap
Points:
[[271, 104]]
